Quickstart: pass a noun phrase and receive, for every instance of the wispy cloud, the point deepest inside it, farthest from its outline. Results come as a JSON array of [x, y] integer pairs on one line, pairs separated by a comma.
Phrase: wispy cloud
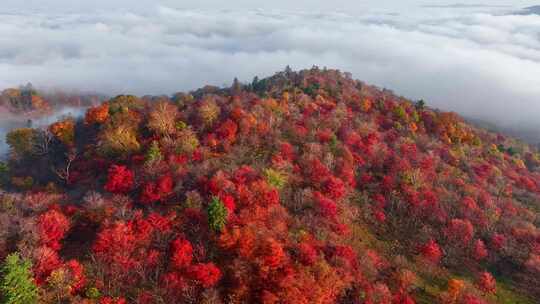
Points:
[[479, 63], [466, 5]]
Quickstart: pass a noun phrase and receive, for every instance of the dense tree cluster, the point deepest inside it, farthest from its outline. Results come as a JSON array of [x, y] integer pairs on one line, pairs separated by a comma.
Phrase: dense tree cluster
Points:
[[304, 187], [27, 100]]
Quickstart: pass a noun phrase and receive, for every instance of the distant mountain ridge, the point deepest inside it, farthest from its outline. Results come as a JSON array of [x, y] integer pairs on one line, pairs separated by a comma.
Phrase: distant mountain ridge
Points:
[[532, 10]]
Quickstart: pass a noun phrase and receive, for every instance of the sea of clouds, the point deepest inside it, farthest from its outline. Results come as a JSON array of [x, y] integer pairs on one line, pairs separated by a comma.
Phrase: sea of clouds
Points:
[[481, 61]]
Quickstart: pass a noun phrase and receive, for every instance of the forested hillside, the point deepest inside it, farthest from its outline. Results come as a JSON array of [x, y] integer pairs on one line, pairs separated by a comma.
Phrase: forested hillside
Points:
[[304, 187]]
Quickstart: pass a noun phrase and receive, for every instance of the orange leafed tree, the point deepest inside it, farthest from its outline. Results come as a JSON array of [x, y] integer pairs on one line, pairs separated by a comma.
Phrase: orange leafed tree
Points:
[[64, 131], [97, 115]]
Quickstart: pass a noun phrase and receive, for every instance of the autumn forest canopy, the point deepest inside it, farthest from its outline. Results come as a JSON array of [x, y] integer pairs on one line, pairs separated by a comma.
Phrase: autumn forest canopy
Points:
[[303, 187]]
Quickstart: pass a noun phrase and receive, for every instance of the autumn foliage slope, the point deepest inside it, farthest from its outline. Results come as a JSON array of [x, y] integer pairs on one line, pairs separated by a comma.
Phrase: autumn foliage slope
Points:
[[304, 187]]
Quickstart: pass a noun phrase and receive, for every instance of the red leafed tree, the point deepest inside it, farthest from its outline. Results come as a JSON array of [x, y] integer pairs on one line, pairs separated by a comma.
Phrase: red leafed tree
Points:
[[460, 231], [498, 241], [159, 222], [325, 135], [150, 193], [469, 204], [403, 298], [273, 254], [347, 175], [307, 253], [120, 179], [287, 151], [157, 191], [227, 131], [346, 253], [486, 282], [479, 251], [335, 188], [165, 185], [46, 260], [76, 271], [431, 251], [126, 252], [326, 206], [206, 274], [52, 226], [379, 215], [181, 253], [115, 246], [145, 297], [109, 300], [228, 202], [318, 171]]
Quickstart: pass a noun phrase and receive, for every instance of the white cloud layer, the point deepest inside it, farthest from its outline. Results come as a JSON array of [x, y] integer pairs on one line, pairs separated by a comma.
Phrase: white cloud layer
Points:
[[474, 59]]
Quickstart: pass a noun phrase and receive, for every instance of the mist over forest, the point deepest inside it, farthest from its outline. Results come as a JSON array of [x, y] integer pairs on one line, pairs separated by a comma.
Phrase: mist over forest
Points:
[[481, 61], [329, 152]]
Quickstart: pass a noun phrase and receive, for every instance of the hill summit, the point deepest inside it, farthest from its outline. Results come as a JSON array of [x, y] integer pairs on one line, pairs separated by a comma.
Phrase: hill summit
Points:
[[304, 187]]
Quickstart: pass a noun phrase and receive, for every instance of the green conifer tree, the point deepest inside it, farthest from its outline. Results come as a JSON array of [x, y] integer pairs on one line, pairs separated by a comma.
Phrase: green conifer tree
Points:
[[17, 285], [217, 215], [154, 153]]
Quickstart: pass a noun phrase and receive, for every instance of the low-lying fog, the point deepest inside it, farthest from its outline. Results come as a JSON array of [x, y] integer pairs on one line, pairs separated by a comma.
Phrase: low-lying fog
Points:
[[482, 61], [11, 121]]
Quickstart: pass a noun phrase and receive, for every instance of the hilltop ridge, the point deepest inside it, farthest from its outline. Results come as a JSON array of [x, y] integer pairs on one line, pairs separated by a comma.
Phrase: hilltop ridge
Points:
[[303, 187]]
